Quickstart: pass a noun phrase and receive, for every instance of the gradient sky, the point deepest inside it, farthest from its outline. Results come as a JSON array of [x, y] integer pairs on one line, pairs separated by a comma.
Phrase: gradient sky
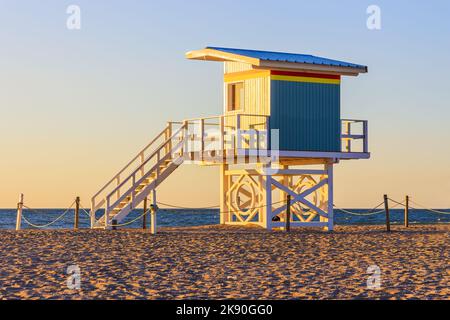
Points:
[[77, 105]]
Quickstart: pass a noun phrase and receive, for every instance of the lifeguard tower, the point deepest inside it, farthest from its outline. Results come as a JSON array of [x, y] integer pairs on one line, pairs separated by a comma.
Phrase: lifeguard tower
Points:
[[278, 138]]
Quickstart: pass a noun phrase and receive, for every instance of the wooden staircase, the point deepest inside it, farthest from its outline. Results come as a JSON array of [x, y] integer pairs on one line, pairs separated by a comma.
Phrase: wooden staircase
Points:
[[194, 139], [142, 175]]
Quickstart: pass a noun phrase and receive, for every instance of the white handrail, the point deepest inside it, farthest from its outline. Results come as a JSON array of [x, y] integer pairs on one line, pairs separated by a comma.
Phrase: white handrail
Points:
[[348, 135], [131, 161], [155, 153], [116, 177], [110, 195]]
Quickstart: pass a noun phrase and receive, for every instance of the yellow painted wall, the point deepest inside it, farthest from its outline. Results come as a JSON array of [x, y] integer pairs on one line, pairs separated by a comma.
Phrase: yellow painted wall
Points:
[[231, 67], [256, 93]]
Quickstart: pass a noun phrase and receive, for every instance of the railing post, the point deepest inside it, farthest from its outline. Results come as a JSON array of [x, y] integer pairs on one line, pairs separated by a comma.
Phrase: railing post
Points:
[[77, 213], [19, 212], [133, 180], [348, 140], [202, 135], [142, 162], [158, 159], [366, 137], [238, 132], [186, 136], [222, 136], [117, 184], [169, 136]]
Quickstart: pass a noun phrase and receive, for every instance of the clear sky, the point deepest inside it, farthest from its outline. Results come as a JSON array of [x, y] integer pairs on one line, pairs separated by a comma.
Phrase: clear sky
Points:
[[76, 105]]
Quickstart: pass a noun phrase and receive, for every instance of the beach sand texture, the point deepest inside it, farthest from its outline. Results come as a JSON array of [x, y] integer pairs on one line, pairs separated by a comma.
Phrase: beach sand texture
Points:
[[223, 262]]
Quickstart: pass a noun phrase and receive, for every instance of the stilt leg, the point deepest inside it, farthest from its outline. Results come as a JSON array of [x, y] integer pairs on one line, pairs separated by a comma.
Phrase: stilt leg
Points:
[[224, 185], [267, 212], [330, 211]]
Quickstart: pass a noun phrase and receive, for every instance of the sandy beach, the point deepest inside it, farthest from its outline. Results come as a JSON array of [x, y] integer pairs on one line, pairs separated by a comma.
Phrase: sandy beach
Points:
[[219, 262]]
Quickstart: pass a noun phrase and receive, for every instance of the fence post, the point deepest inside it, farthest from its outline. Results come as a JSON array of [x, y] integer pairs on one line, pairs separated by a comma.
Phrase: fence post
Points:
[[153, 226], [386, 209], [407, 212], [77, 213], [114, 224], [144, 217], [153, 209], [288, 213], [19, 212]]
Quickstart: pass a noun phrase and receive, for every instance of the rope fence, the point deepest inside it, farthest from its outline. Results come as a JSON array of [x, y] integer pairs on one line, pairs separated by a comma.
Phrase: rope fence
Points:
[[47, 224], [78, 207], [215, 207], [130, 222], [371, 212], [429, 209], [85, 211]]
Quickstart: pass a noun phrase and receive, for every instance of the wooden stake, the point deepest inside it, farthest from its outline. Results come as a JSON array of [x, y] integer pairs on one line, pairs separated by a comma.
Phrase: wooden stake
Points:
[[144, 218], [288, 213], [407, 212], [19, 212], [386, 209], [153, 209], [153, 226], [77, 213]]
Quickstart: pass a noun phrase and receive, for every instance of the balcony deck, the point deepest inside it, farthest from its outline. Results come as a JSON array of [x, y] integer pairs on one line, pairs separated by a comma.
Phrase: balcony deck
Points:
[[247, 138]]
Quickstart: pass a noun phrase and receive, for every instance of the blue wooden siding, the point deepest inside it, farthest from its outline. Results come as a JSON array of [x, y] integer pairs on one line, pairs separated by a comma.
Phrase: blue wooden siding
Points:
[[307, 115]]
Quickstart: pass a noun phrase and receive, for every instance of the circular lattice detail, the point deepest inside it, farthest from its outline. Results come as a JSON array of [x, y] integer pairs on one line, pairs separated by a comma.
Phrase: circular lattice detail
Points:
[[245, 198], [317, 197]]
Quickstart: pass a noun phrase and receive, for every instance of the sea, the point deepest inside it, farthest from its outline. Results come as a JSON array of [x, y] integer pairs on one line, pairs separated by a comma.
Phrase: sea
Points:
[[199, 217]]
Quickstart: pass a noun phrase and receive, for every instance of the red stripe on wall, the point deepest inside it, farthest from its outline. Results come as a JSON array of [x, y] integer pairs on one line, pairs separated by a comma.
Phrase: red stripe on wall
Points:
[[305, 74]]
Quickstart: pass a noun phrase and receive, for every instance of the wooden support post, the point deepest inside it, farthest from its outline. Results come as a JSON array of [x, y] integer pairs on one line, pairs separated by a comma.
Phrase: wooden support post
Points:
[[330, 209], [144, 217], [386, 209], [285, 181], [19, 212], [224, 186], [114, 224], [288, 213], [267, 202], [407, 212], [77, 213]]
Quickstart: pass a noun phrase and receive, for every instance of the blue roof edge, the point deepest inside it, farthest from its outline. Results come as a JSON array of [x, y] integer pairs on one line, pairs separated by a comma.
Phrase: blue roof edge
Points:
[[289, 57]]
